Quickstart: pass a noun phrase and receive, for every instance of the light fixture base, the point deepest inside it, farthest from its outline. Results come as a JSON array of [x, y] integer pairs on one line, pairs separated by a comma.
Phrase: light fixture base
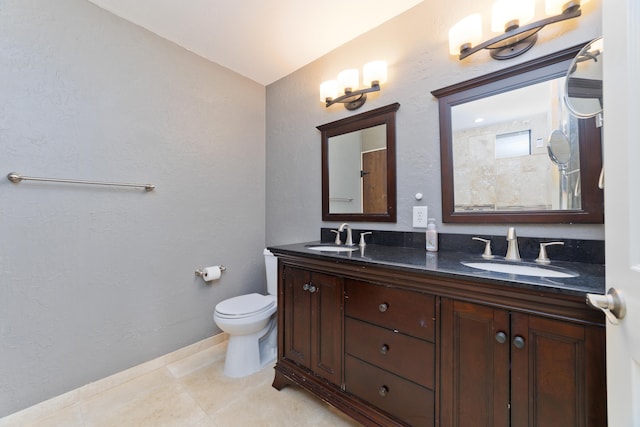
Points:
[[517, 41], [356, 103], [512, 50], [352, 100]]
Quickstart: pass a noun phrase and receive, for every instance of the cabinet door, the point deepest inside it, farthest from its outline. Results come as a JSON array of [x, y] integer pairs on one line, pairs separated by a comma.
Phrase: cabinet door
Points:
[[557, 373], [326, 326], [474, 365], [297, 316], [503, 368]]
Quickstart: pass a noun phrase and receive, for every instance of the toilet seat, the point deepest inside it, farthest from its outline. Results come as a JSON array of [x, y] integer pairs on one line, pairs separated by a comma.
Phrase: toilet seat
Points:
[[244, 306]]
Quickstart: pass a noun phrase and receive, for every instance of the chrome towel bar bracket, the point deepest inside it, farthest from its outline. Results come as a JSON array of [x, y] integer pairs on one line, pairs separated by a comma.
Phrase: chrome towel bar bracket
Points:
[[16, 178]]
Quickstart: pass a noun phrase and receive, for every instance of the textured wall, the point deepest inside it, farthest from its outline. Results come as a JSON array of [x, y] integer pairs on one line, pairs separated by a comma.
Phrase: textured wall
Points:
[[94, 280], [416, 47]]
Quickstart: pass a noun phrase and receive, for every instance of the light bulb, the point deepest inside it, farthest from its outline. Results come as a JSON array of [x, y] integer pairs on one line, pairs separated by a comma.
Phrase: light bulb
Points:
[[349, 79], [504, 12], [328, 89], [467, 32], [374, 71]]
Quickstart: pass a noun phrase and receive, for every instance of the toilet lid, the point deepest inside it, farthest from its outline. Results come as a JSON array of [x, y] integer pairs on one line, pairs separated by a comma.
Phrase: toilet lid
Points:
[[244, 305]]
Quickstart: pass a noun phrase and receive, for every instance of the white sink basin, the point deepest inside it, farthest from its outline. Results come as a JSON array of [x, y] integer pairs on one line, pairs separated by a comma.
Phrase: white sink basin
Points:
[[521, 269], [332, 248]]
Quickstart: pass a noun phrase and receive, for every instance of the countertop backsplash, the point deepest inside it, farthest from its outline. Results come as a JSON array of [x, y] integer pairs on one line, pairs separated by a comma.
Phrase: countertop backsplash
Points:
[[573, 250]]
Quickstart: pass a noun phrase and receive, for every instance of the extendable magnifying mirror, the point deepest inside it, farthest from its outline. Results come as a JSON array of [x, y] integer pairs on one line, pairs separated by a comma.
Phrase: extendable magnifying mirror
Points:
[[583, 92], [559, 150]]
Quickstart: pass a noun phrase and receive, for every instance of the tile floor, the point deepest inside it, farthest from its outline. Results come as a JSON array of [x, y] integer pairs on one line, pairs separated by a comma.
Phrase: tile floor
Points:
[[191, 392]]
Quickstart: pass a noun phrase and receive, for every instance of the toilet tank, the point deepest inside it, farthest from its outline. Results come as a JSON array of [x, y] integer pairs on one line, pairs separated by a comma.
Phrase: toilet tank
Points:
[[271, 266]]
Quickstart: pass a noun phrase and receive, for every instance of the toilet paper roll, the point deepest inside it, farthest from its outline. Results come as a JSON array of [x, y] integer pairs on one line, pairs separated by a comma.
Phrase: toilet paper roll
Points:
[[211, 273]]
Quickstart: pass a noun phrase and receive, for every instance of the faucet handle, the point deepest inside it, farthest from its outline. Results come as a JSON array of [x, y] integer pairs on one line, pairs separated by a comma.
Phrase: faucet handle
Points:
[[542, 256], [337, 241], [487, 247], [362, 243]]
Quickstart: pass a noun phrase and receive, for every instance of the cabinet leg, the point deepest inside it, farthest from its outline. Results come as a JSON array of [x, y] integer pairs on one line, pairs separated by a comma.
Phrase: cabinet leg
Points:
[[280, 381]]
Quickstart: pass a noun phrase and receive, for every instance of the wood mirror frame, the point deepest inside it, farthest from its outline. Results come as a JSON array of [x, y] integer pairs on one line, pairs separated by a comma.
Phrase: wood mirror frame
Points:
[[380, 116], [535, 71]]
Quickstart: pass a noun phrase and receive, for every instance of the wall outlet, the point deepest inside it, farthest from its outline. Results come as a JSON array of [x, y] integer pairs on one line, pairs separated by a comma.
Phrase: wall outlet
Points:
[[420, 215]]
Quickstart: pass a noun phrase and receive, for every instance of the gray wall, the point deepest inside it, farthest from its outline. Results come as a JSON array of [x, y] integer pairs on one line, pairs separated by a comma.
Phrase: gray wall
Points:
[[416, 47], [94, 280]]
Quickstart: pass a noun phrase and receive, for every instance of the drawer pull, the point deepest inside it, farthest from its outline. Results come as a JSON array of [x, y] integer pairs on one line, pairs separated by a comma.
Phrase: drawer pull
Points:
[[383, 307], [383, 391], [518, 341], [384, 349], [501, 337]]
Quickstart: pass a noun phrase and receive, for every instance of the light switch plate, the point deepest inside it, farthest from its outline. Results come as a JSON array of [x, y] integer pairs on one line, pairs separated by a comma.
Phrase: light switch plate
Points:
[[420, 215]]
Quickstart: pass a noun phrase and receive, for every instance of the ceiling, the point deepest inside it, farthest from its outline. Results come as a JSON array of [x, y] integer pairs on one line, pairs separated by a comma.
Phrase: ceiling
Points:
[[261, 40]]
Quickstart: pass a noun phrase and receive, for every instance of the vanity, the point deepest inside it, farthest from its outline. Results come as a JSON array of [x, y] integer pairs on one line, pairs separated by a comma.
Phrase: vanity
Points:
[[393, 335], [399, 336]]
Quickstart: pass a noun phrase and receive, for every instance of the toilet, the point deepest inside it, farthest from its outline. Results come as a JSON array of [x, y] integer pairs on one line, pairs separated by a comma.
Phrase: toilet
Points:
[[250, 320]]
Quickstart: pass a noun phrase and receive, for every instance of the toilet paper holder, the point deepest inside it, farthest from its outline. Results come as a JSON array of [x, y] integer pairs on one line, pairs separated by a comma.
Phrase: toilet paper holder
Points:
[[200, 271]]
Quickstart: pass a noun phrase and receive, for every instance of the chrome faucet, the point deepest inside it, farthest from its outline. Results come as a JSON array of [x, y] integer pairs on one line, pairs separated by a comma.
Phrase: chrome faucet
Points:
[[349, 240], [513, 254]]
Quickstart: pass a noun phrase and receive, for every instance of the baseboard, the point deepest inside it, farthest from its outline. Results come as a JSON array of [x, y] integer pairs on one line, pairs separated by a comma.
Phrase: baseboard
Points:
[[42, 409]]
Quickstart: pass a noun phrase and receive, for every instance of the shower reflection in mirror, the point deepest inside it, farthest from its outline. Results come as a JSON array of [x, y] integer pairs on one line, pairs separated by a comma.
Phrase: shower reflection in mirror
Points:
[[504, 159]]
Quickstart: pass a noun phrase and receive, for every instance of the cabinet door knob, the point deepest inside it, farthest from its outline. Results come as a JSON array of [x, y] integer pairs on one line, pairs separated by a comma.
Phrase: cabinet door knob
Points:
[[383, 391], [305, 287], [312, 289], [383, 307], [384, 349], [518, 341], [501, 337]]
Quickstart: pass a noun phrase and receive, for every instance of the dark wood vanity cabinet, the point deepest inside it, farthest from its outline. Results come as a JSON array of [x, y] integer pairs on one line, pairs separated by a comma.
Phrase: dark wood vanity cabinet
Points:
[[506, 368], [390, 350], [376, 363], [397, 348], [313, 322]]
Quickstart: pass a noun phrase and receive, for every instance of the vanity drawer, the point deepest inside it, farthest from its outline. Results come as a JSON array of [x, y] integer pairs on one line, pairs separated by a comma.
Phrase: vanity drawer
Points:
[[409, 312], [401, 354], [399, 397]]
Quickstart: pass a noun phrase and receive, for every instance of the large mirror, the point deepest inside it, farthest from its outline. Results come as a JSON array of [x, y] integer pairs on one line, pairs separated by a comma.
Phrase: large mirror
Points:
[[359, 167], [512, 152]]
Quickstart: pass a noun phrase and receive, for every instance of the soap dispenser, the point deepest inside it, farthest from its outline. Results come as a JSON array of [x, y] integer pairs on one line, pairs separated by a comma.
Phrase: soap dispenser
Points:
[[432, 235]]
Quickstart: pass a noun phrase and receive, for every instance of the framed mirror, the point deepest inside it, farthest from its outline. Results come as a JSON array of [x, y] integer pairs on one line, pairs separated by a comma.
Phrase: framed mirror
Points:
[[359, 167], [511, 152]]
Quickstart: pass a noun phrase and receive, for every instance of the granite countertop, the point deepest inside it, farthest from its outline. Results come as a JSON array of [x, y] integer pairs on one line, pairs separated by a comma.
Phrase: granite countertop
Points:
[[590, 279]]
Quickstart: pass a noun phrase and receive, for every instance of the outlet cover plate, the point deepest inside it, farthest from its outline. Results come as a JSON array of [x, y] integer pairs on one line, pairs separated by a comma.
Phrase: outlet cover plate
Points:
[[420, 216]]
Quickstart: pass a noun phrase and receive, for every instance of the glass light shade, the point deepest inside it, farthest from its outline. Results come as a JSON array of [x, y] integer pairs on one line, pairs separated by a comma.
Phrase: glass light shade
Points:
[[504, 11], [555, 7], [328, 89], [466, 31], [349, 79], [375, 70]]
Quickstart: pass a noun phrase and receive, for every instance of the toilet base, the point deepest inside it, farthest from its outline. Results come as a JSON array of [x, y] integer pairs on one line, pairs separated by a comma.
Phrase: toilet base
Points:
[[248, 354]]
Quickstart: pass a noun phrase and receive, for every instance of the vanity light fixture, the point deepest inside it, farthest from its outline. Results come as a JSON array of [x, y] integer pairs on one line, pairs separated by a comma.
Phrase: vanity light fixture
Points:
[[373, 75], [512, 17]]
